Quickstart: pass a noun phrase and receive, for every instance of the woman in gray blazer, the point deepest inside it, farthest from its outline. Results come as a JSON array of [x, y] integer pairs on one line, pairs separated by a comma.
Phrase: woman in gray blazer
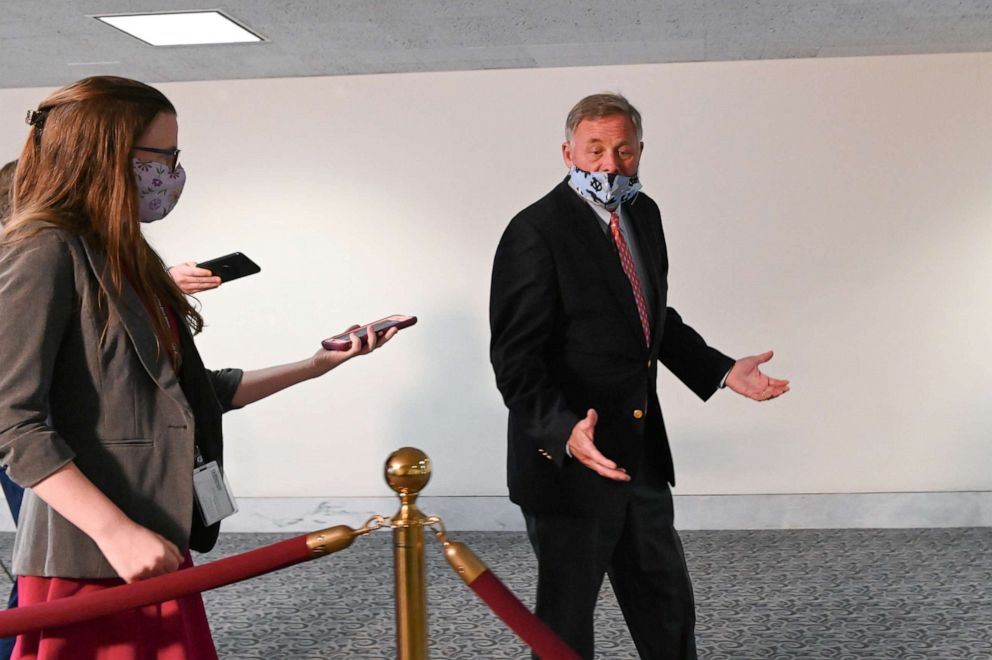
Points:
[[105, 405], [187, 276]]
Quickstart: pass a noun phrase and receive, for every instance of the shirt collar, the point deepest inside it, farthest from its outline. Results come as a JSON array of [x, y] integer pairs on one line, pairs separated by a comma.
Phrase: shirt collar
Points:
[[602, 213]]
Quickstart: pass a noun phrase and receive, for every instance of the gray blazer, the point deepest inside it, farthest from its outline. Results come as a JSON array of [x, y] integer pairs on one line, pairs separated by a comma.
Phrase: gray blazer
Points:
[[74, 387]]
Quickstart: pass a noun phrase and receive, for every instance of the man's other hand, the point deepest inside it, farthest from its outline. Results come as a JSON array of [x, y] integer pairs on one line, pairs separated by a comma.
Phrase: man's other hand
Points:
[[581, 443], [746, 379]]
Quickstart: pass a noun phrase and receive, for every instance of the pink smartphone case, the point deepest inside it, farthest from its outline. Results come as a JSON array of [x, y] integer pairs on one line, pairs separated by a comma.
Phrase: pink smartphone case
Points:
[[342, 342]]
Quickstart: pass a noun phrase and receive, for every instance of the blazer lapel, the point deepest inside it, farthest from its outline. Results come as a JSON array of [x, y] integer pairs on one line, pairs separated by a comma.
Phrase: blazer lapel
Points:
[[589, 229], [134, 318]]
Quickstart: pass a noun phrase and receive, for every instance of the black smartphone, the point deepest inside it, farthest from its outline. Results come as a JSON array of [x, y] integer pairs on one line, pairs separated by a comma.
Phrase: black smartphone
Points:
[[230, 266]]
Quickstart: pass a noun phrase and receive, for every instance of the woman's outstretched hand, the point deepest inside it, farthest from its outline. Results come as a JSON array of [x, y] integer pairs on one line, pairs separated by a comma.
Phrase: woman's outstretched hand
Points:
[[325, 360]]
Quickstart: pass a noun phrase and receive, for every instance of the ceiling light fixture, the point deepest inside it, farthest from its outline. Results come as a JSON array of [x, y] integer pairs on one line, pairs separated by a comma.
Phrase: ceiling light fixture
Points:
[[181, 28]]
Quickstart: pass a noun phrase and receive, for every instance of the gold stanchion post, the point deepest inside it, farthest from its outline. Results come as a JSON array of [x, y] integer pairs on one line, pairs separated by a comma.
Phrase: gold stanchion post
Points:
[[407, 472]]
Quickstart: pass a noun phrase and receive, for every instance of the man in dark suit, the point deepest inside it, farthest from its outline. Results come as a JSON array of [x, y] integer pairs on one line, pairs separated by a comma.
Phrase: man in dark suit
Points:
[[579, 319]]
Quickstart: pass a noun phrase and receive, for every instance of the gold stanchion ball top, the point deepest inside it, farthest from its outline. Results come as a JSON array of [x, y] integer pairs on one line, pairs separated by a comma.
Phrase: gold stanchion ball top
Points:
[[408, 470]]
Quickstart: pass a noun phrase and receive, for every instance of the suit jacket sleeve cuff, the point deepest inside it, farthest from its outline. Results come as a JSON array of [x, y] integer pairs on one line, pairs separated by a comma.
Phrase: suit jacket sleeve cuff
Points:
[[723, 381], [563, 430]]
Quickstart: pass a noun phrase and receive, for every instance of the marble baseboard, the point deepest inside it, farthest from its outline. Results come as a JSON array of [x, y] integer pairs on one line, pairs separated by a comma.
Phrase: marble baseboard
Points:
[[494, 513], [835, 510]]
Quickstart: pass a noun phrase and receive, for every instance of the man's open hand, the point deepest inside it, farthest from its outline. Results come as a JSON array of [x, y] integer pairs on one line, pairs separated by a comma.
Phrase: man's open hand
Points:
[[582, 445], [746, 379]]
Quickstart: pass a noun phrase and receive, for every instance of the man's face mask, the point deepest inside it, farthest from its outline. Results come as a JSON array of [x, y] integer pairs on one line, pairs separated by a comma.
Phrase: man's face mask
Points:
[[159, 188], [607, 189]]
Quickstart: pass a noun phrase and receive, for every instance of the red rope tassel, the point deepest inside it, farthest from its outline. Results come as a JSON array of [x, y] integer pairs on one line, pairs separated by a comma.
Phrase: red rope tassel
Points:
[[175, 585]]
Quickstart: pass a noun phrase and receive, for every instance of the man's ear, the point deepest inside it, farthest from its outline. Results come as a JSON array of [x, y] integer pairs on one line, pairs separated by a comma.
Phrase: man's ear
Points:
[[566, 154]]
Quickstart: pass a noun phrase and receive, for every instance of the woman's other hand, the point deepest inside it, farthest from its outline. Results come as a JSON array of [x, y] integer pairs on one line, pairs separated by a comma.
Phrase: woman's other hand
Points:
[[132, 550], [137, 553], [192, 279]]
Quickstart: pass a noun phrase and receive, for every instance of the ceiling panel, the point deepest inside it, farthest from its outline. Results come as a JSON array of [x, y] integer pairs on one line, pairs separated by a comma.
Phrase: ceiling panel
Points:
[[52, 42]]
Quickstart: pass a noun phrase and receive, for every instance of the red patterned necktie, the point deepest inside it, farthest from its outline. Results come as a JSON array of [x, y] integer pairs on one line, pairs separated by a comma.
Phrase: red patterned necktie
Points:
[[631, 271]]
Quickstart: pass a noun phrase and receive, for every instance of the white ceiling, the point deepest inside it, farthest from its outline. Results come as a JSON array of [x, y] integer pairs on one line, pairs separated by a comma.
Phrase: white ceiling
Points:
[[52, 42]]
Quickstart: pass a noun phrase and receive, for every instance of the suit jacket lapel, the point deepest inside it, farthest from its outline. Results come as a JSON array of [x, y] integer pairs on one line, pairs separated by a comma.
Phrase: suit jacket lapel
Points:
[[589, 229], [134, 318]]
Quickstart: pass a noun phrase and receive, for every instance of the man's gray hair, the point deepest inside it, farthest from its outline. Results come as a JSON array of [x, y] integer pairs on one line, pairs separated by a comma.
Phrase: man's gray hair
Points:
[[598, 106]]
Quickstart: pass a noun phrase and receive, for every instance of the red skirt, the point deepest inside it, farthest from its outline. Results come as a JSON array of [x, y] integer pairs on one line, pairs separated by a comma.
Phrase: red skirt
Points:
[[173, 630]]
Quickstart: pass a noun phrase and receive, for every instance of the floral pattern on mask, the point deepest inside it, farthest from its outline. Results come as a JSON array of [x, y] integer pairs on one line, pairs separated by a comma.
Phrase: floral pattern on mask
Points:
[[607, 189], [158, 188]]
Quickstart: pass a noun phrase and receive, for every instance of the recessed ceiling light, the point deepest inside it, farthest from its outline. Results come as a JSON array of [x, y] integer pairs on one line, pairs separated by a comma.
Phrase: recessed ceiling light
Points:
[[181, 28]]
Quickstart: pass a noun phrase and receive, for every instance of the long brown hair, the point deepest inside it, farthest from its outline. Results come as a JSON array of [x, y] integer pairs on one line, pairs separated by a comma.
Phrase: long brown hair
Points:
[[75, 173], [6, 188]]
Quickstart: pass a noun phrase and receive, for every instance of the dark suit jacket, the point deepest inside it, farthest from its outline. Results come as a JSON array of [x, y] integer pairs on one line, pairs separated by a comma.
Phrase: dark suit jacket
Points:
[[566, 337], [77, 387]]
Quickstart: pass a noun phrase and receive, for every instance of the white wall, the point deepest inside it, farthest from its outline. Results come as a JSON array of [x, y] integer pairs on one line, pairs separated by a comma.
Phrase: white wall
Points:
[[835, 210]]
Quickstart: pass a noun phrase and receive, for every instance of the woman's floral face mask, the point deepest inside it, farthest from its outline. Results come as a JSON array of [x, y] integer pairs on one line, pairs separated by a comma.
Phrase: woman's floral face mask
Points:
[[159, 188]]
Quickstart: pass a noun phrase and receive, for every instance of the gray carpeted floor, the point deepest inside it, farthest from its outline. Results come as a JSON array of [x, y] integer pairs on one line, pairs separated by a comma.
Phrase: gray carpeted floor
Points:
[[837, 594]]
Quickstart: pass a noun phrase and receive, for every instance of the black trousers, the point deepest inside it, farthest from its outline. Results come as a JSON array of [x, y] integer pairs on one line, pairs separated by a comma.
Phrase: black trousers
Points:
[[642, 554]]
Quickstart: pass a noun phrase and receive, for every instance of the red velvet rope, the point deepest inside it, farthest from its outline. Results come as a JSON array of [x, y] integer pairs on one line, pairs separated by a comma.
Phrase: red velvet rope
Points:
[[545, 643], [155, 590]]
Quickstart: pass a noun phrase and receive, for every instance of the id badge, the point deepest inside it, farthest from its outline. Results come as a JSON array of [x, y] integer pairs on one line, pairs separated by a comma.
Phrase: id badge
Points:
[[214, 498]]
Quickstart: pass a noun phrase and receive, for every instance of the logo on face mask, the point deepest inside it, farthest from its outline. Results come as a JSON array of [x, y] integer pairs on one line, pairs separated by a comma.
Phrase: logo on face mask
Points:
[[158, 188], [607, 189]]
